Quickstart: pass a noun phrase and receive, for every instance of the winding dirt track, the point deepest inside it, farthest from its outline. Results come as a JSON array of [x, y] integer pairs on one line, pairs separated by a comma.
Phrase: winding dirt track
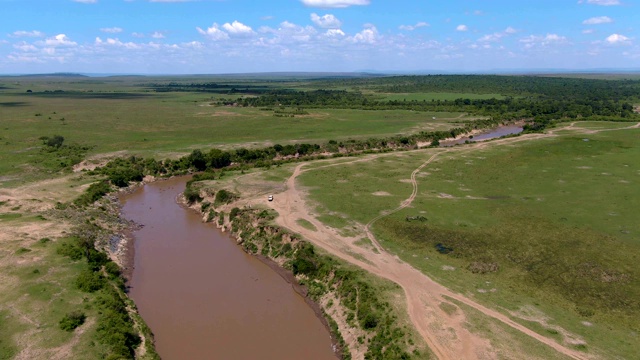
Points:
[[444, 333]]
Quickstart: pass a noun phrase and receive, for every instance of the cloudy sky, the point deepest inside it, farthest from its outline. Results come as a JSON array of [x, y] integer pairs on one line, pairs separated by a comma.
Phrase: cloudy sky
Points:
[[232, 36]]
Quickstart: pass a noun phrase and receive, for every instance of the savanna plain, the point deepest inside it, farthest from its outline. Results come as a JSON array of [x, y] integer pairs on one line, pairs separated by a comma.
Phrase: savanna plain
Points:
[[519, 247]]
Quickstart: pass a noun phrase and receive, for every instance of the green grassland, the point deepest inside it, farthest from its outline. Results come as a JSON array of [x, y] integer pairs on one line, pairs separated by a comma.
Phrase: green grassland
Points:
[[555, 217], [39, 289], [113, 115]]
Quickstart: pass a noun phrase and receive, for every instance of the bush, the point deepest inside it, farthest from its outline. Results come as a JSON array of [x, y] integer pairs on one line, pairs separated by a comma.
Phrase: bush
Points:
[[93, 193], [234, 212], [115, 327], [223, 197], [89, 281], [96, 259], [121, 176], [302, 266], [71, 251], [370, 321], [55, 142], [22, 250], [192, 195], [72, 320], [112, 269]]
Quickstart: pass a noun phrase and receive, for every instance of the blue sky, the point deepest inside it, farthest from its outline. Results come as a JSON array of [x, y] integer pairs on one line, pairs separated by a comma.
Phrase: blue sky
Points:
[[232, 36]]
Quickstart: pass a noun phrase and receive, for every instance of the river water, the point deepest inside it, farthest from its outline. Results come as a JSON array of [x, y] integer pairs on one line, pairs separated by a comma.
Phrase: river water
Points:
[[203, 297], [492, 134]]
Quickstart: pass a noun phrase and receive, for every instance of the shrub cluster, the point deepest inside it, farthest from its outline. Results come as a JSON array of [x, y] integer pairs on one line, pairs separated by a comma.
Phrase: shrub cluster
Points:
[[115, 326], [72, 320]]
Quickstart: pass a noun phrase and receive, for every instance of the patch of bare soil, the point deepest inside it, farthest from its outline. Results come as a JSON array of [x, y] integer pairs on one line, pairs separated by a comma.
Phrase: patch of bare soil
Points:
[[218, 113], [381, 193], [530, 313], [97, 160], [446, 196]]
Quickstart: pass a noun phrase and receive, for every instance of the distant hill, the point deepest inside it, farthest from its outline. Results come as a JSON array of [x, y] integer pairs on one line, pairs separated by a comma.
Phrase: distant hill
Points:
[[57, 75]]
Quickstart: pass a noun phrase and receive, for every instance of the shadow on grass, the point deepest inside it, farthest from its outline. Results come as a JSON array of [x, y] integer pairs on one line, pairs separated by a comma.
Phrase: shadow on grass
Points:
[[90, 95], [13, 103]]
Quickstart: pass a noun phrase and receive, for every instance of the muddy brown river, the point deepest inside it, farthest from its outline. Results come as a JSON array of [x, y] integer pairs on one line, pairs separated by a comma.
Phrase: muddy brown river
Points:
[[491, 134], [203, 297]]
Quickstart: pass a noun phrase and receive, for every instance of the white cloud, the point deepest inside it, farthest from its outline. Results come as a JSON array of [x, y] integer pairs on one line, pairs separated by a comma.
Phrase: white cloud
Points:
[[601, 2], [335, 33], [598, 20], [23, 46], [327, 21], [214, 32], [58, 40], [617, 39], [237, 28], [157, 35], [289, 33], [498, 35], [413, 27], [492, 37], [532, 41], [588, 31], [116, 42], [22, 33], [462, 27], [367, 36], [112, 30], [137, 35], [193, 44], [334, 3]]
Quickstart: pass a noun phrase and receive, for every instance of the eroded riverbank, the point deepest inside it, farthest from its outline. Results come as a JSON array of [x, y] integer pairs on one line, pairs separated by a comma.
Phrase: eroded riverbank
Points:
[[203, 297]]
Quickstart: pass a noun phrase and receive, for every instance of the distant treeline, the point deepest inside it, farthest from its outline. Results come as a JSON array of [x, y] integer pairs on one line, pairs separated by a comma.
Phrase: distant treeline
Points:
[[541, 99], [534, 86], [211, 88], [542, 110]]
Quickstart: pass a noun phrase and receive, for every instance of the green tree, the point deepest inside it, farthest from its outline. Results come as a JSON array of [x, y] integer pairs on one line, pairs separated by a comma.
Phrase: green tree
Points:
[[55, 142]]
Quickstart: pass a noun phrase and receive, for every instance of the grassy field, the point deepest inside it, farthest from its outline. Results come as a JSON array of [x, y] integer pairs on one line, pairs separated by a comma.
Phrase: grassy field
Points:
[[545, 227], [113, 115], [39, 291]]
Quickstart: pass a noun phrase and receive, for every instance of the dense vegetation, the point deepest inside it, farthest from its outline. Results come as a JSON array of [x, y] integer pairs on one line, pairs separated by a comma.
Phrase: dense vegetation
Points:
[[115, 327]]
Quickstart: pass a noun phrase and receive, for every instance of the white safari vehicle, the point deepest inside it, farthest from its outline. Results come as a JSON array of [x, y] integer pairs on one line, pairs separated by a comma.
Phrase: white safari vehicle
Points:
[[270, 197]]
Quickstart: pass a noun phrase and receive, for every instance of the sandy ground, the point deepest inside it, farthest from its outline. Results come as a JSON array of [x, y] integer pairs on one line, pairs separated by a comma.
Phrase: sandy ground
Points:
[[445, 334]]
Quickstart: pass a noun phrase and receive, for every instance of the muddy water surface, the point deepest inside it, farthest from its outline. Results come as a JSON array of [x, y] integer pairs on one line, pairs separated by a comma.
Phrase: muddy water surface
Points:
[[203, 297], [492, 134]]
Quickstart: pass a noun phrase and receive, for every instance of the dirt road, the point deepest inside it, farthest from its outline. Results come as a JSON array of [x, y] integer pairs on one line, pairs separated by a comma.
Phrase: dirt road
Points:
[[444, 333]]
